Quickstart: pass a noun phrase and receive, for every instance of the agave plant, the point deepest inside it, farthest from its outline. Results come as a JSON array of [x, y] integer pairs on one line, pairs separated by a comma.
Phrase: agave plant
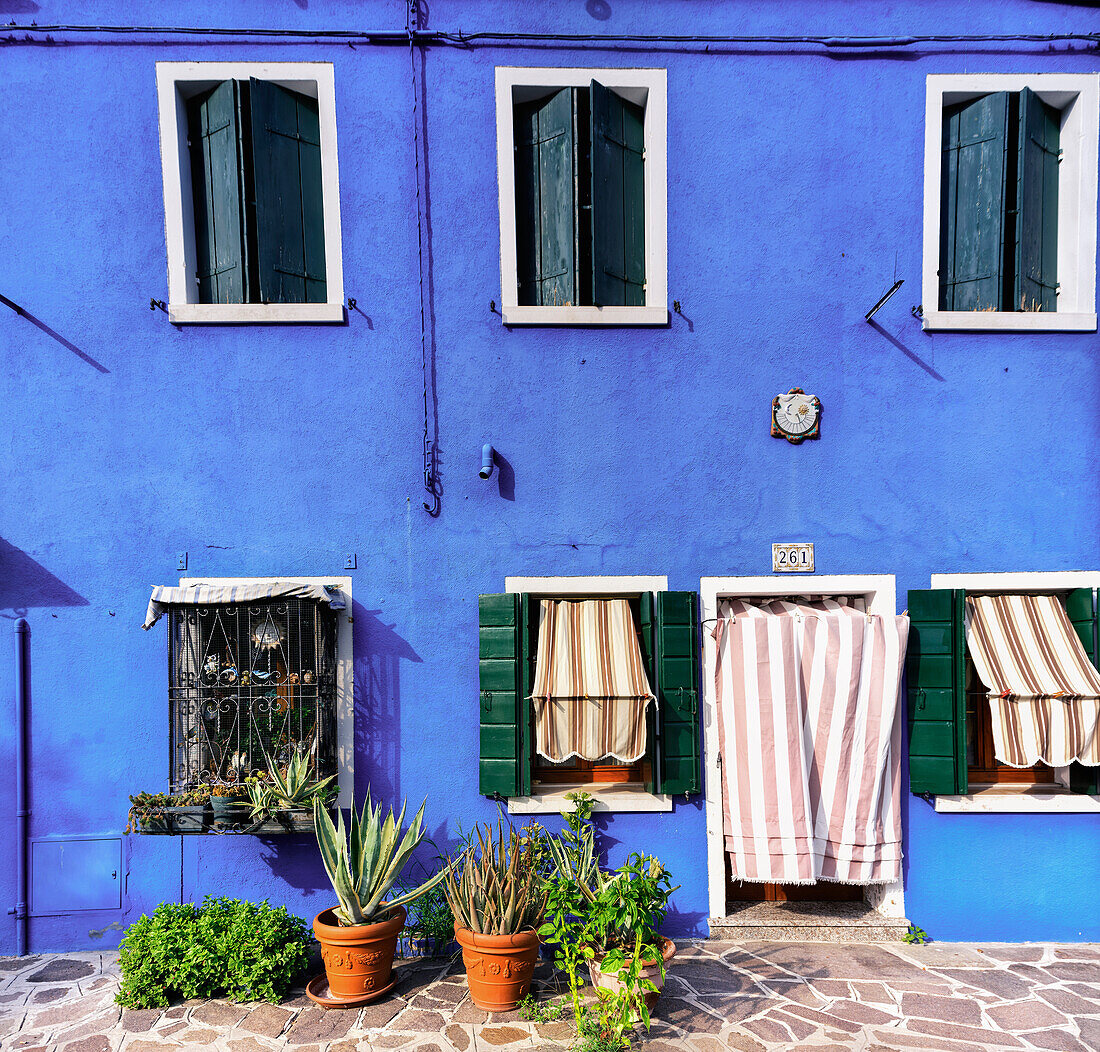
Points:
[[494, 887], [294, 787], [364, 865]]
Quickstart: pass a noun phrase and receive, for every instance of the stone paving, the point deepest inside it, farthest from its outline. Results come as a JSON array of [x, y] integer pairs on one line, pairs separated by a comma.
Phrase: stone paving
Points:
[[720, 995]]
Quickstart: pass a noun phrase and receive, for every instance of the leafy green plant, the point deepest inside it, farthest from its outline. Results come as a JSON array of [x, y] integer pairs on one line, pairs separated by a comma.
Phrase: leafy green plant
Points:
[[430, 919], [225, 947], [364, 864], [916, 935], [541, 1011], [146, 808], [493, 886]]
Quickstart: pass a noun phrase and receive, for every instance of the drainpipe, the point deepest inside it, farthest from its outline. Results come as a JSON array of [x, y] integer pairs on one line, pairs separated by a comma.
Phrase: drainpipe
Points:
[[22, 698]]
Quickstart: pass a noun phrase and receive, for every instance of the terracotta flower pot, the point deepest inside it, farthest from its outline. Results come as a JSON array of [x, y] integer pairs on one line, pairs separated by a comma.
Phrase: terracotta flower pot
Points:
[[650, 970], [358, 959], [498, 967]]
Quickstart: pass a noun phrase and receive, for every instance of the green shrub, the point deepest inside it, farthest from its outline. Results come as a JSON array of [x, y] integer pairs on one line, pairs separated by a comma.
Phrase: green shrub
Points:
[[241, 950]]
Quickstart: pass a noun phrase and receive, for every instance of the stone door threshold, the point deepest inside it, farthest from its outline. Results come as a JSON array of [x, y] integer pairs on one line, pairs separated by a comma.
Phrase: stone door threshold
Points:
[[807, 922]]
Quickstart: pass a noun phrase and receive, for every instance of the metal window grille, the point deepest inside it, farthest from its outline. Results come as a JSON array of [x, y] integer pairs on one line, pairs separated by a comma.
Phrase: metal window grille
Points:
[[247, 685]]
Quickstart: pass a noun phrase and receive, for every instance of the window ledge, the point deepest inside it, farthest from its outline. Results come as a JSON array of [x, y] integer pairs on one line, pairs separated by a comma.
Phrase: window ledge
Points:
[[609, 798], [1003, 800], [512, 315], [1007, 321], [254, 313]]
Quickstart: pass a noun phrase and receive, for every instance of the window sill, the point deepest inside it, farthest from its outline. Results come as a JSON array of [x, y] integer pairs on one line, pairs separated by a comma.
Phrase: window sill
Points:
[[254, 313], [1003, 799], [617, 798], [513, 315], [1007, 321]]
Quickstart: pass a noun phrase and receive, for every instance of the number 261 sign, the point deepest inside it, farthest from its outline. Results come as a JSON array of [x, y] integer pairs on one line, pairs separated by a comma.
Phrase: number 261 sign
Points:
[[793, 558]]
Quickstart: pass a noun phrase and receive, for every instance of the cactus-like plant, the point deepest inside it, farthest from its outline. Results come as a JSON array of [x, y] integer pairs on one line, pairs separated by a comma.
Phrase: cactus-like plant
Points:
[[364, 865], [494, 887], [294, 787]]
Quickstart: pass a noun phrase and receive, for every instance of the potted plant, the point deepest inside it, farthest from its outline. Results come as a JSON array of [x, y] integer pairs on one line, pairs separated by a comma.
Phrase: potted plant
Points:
[[229, 803], [498, 898], [610, 921], [358, 937], [621, 935], [288, 793]]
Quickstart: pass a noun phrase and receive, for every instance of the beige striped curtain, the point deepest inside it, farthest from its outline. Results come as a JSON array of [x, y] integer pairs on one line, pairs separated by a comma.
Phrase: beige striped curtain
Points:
[[1044, 693], [591, 689]]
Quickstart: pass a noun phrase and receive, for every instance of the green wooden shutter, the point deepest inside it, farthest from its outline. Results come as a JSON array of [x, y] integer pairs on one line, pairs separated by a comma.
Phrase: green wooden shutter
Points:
[[972, 217], [1037, 206], [676, 646], [935, 673], [647, 618], [1081, 610], [546, 205], [618, 199], [290, 228], [500, 657], [213, 132]]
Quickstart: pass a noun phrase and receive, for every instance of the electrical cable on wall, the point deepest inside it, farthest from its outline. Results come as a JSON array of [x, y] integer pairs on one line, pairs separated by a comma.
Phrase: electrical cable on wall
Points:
[[431, 479]]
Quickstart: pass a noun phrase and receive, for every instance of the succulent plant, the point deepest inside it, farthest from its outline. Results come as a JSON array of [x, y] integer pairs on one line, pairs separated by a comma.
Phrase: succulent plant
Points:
[[292, 786], [364, 863], [494, 886]]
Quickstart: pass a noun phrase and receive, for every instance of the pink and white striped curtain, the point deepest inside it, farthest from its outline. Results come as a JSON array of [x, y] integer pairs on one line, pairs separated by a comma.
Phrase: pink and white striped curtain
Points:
[[810, 740]]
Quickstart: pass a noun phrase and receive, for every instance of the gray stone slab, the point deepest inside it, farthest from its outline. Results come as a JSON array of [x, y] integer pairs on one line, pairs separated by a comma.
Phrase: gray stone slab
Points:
[[813, 961], [946, 955], [948, 1009], [1026, 1015], [61, 969], [1083, 971], [1057, 1040], [1000, 981], [1068, 1002]]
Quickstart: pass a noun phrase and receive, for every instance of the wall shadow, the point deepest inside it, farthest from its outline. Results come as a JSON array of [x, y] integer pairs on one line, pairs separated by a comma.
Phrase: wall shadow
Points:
[[506, 477], [379, 651], [25, 583]]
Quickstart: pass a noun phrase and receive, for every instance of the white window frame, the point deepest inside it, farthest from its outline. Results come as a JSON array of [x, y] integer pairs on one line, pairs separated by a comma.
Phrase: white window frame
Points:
[[611, 798], [1015, 799], [645, 87], [1077, 95], [345, 671], [179, 81], [880, 593]]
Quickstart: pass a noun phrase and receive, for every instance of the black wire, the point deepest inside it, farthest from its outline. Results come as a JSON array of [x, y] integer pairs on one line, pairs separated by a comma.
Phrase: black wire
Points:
[[424, 38]]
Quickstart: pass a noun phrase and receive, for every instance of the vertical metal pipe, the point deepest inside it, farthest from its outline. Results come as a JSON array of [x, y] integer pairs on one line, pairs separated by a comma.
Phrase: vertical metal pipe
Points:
[[22, 699]]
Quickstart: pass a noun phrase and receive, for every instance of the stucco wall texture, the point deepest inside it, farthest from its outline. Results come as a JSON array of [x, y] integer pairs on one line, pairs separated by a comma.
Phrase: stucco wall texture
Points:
[[795, 189]]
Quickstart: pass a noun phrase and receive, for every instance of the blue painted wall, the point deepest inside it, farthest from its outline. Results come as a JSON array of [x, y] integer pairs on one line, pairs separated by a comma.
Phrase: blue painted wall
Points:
[[795, 190]]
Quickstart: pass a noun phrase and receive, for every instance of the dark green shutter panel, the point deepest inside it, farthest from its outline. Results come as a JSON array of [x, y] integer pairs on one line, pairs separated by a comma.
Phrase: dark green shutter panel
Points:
[[290, 229], [676, 636], [647, 611], [1037, 206], [546, 206], [936, 675], [618, 199], [1081, 609], [500, 655], [972, 218], [213, 131]]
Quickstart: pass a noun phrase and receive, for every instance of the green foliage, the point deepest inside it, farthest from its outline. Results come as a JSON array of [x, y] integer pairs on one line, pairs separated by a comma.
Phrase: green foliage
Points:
[[146, 808], [288, 787], [241, 950], [430, 919], [364, 864], [611, 918], [916, 935], [493, 886], [541, 1011]]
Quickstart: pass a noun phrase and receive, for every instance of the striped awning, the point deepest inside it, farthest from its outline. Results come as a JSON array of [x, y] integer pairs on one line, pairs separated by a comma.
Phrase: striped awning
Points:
[[165, 596], [1044, 693], [591, 690]]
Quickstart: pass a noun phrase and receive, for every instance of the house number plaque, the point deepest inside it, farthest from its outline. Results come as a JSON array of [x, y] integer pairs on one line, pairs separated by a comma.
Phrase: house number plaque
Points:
[[793, 558]]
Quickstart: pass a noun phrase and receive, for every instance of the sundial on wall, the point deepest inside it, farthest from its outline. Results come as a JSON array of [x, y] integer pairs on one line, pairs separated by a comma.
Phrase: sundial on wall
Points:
[[796, 415]]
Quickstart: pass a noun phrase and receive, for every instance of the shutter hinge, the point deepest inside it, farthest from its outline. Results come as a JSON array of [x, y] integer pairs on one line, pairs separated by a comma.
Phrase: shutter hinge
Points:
[[495, 796], [719, 759]]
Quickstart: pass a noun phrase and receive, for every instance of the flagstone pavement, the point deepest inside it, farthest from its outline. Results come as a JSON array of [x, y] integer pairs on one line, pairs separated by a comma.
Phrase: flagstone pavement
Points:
[[720, 995]]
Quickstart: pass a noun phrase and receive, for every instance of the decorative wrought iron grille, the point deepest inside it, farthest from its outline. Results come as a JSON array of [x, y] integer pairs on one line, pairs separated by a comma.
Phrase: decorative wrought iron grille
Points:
[[248, 684]]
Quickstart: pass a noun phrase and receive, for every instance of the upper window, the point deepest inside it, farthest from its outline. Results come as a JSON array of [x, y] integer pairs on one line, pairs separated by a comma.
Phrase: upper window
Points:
[[250, 188], [581, 170], [1010, 202]]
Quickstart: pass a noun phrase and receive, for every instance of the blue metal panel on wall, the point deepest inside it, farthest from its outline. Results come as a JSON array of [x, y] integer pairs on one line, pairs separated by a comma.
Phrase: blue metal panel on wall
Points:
[[279, 449], [75, 874]]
